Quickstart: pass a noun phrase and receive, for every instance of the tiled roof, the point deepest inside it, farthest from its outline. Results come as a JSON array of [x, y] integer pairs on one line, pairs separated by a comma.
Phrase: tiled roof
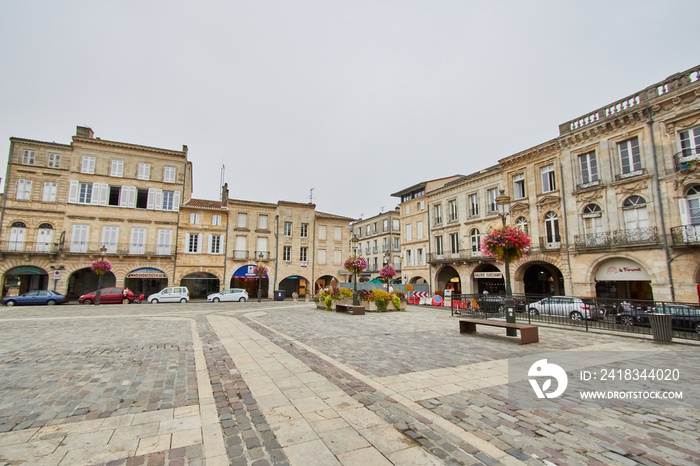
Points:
[[204, 204]]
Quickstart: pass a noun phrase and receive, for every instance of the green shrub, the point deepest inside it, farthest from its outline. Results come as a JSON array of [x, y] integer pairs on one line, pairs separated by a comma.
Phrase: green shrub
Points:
[[328, 302], [396, 302]]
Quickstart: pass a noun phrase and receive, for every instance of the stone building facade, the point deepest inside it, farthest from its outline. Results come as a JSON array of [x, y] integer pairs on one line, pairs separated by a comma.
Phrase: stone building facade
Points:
[[379, 241], [68, 205], [612, 205]]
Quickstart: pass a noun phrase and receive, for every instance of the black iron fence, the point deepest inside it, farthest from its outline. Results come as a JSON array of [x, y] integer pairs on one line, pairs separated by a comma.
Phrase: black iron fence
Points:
[[628, 316]]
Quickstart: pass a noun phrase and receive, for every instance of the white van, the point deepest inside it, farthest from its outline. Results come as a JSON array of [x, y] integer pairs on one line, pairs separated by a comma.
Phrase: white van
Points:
[[172, 294]]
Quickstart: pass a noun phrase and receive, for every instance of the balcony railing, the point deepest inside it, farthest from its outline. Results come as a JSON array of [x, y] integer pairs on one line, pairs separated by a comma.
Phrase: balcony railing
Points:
[[635, 236], [29, 247], [450, 257], [687, 158], [240, 254], [81, 247], [686, 235], [262, 255], [634, 174], [593, 240], [552, 243]]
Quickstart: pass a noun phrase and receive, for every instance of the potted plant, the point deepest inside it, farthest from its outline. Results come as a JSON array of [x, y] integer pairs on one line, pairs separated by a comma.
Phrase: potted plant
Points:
[[381, 299]]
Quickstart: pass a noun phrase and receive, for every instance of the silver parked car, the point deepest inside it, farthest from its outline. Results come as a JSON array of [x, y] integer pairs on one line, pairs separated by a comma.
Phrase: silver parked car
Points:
[[171, 294], [232, 294], [567, 306]]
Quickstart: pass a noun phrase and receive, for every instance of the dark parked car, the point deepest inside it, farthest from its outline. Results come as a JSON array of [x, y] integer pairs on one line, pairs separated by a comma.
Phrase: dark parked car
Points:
[[35, 298], [496, 303], [109, 295], [683, 317]]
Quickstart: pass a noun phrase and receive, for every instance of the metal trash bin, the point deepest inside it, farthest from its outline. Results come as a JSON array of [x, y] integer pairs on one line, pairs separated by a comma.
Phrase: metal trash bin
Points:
[[661, 326], [279, 295]]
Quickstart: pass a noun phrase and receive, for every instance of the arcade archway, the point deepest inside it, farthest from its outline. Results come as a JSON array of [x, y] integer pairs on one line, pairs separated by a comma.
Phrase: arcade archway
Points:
[[323, 282], [146, 281], [245, 278], [84, 281], [294, 284], [448, 279], [201, 284], [489, 278], [621, 278], [19, 280], [542, 278]]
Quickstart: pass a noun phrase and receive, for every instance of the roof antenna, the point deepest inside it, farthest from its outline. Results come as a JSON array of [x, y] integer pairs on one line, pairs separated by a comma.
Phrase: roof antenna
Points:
[[311, 196]]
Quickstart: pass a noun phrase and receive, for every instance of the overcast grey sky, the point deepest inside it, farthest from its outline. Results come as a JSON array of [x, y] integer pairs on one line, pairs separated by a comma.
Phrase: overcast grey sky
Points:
[[357, 99]]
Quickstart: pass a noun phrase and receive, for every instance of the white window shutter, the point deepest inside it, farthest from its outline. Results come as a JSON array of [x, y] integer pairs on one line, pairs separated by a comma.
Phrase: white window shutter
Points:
[[150, 203], [187, 242], [683, 208], [209, 244], [176, 201], [100, 192], [158, 199], [73, 192], [128, 197], [199, 243]]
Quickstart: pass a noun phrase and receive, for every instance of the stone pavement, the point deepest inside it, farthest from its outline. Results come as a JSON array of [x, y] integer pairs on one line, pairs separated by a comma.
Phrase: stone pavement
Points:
[[287, 384]]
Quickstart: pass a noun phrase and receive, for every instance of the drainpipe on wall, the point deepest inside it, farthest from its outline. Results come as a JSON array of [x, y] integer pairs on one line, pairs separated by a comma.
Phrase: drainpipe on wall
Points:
[[566, 224], [277, 252], [7, 178], [430, 267], [313, 263], [657, 185]]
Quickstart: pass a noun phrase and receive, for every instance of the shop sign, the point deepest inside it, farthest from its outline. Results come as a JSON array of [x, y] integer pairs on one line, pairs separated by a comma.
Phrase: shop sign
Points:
[[621, 270], [146, 272], [488, 275]]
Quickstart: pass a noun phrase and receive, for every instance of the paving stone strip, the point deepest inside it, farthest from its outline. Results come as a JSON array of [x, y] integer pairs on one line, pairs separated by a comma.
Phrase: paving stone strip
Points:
[[248, 437], [417, 429]]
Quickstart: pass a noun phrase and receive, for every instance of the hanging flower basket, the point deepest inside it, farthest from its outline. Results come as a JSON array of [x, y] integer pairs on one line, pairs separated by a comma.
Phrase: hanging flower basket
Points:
[[355, 264], [260, 271], [387, 273], [507, 242], [101, 267]]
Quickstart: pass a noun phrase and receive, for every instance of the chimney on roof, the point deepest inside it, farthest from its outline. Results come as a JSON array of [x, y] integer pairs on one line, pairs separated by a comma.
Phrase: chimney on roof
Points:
[[224, 195], [84, 132]]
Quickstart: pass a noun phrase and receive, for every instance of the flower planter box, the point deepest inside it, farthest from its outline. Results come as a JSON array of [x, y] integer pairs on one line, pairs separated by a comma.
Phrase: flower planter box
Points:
[[371, 306]]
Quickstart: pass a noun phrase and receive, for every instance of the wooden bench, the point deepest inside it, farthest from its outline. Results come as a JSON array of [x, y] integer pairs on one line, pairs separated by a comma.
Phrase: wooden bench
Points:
[[528, 333], [354, 310]]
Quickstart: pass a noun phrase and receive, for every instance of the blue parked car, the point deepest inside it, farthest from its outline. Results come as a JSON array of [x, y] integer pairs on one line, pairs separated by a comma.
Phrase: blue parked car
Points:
[[35, 298]]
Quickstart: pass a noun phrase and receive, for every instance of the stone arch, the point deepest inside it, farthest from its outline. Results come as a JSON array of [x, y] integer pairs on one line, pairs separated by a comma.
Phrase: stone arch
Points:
[[445, 279]]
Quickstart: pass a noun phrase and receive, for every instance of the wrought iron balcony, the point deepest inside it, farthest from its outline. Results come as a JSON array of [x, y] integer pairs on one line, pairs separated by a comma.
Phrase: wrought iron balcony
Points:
[[593, 240], [634, 236], [240, 254], [451, 257], [27, 247], [548, 243], [687, 158], [83, 247], [688, 235]]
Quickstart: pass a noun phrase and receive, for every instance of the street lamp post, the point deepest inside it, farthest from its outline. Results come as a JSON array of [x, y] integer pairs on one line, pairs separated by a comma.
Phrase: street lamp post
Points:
[[503, 203], [355, 299], [260, 265], [103, 251]]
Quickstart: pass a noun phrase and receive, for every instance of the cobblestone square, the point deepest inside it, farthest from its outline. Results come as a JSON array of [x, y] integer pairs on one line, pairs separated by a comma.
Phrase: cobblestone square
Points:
[[286, 383]]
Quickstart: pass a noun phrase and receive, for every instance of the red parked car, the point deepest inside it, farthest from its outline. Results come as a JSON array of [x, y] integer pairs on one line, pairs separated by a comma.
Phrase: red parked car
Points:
[[109, 295]]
